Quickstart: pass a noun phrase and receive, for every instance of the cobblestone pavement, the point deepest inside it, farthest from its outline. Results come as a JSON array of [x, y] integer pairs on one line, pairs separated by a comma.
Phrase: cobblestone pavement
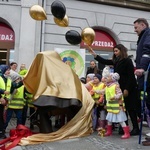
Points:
[[91, 142]]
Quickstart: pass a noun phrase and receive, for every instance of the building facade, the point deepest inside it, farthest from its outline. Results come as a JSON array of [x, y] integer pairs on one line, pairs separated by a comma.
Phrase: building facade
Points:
[[22, 37]]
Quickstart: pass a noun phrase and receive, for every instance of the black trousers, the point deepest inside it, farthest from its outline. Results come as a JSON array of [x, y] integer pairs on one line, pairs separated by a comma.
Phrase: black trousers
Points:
[[1, 118], [148, 98], [133, 107]]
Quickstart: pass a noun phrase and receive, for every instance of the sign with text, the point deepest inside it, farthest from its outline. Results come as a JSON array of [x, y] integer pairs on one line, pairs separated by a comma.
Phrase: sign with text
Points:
[[102, 40], [6, 33]]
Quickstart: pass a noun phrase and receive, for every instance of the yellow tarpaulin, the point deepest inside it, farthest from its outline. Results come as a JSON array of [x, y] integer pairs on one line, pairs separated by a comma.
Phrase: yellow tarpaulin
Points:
[[48, 75]]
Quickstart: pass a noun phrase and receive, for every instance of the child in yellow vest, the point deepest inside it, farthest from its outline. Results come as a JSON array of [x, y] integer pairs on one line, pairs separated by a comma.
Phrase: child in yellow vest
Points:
[[16, 103], [99, 113], [89, 81], [23, 71], [115, 105]]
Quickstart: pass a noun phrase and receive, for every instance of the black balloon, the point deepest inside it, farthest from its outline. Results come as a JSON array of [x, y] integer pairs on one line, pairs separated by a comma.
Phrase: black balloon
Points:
[[73, 37], [58, 9]]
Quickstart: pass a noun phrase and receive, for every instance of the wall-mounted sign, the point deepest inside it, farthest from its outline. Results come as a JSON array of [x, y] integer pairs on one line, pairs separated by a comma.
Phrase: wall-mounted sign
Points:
[[74, 58], [102, 41], [6, 33]]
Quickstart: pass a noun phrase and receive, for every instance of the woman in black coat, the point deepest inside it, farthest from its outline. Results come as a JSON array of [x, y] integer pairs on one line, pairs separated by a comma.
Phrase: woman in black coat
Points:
[[125, 68]]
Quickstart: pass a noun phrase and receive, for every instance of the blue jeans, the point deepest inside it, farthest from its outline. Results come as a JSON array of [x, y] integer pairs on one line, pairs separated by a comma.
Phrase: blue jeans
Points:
[[94, 118], [18, 113]]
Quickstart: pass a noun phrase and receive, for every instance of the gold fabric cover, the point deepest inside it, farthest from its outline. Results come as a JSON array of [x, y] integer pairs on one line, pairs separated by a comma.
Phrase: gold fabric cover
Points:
[[48, 75]]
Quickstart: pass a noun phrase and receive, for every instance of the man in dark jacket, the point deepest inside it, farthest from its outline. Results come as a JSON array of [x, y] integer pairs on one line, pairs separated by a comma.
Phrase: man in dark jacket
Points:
[[141, 27]]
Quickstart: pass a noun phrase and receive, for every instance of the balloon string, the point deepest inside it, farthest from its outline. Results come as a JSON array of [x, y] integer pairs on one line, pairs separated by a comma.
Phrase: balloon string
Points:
[[90, 48], [65, 23]]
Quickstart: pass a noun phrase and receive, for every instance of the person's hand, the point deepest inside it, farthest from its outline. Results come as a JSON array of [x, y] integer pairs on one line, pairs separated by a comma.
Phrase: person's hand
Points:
[[101, 99], [125, 93], [92, 92], [92, 52], [2, 101], [6, 92], [139, 72]]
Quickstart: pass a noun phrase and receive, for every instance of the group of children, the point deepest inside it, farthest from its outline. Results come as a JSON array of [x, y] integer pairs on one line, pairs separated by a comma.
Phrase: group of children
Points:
[[109, 103]]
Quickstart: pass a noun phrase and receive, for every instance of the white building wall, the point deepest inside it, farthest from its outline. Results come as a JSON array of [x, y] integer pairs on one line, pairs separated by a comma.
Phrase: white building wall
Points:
[[28, 36], [83, 14]]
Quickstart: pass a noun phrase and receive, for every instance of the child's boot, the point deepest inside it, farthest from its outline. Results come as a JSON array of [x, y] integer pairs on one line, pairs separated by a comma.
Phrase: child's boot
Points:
[[126, 133], [109, 130]]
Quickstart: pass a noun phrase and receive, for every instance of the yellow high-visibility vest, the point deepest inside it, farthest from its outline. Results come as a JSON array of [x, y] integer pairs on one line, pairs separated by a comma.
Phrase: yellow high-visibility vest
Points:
[[142, 95], [99, 87], [29, 97], [5, 87], [113, 106], [17, 101]]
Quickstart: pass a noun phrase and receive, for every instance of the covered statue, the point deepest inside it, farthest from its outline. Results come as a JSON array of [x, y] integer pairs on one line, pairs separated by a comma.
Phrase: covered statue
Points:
[[56, 86]]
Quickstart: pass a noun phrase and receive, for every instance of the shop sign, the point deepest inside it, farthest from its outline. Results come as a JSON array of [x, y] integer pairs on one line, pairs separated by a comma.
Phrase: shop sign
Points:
[[6, 33], [102, 41]]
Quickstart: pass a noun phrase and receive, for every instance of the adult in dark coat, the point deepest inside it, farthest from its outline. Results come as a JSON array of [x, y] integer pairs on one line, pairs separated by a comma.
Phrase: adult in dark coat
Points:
[[141, 27], [125, 68]]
